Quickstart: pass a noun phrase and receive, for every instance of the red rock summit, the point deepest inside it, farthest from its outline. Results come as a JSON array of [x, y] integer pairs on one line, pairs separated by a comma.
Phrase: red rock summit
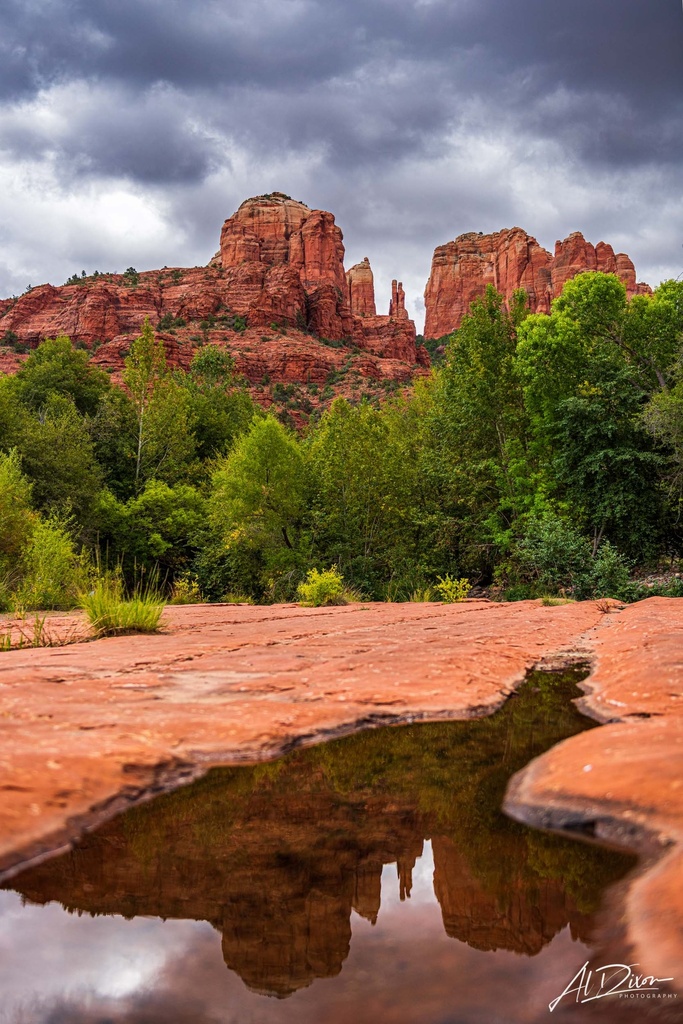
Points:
[[510, 260], [280, 263], [361, 288], [277, 249]]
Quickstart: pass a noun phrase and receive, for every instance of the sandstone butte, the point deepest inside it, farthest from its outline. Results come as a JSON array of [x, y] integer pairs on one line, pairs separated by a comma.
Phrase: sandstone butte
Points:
[[512, 260], [280, 267], [88, 729], [310, 323]]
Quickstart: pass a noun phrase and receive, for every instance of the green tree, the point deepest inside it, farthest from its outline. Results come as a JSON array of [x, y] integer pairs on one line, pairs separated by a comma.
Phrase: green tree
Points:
[[584, 389], [58, 458], [258, 502], [220, 405], [259, 489], [145, 367], [17, 519], [363, 476], [57, 368], [476, 438], [158, 529]]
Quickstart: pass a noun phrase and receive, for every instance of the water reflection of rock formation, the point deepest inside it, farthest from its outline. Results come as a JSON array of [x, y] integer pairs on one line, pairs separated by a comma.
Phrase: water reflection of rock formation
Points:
[[281, 886], [277, 857]]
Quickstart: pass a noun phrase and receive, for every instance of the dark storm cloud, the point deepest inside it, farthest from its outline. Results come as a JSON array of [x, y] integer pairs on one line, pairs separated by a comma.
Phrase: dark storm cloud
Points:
[[412, 120], [151, 138], [368, 81]]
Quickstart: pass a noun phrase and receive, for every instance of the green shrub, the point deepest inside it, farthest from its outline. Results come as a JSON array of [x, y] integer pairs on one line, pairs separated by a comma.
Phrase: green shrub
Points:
[[553, 554], [53, 574], [452, 591], [323, 588], [169, 322], [111, 614], [186, 590], [422, 594], [609, 574]]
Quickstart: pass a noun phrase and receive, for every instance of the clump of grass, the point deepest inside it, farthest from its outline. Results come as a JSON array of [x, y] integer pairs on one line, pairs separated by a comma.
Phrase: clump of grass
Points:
[[110, 613], [235, 598], [548, 601], [324, 588], [422, 594]]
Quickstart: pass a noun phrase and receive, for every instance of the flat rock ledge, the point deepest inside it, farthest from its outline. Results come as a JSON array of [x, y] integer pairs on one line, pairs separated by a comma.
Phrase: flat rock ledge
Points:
[[88, 729]]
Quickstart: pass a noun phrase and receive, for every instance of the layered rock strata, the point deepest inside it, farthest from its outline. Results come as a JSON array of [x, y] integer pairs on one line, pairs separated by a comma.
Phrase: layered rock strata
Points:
[[511, 260], [280, 263]]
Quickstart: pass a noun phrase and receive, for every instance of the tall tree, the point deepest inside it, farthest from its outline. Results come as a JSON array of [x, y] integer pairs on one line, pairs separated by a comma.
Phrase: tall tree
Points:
[[145, 367]]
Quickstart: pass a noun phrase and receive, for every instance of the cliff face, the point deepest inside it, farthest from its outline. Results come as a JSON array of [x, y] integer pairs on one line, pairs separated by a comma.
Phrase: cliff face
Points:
[[280, 268], [509, 260]]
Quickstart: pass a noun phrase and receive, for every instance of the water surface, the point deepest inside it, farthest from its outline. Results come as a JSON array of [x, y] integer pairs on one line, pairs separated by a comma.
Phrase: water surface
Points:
[[372, 878]]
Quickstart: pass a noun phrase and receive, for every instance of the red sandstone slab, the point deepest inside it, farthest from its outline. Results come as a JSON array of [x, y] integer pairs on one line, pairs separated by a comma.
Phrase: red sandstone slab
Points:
[[85, 728], [625, 780]]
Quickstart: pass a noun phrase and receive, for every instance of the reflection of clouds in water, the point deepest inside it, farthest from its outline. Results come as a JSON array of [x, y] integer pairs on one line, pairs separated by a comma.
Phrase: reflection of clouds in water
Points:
[[46, 952], [62, 969], [423, 882]]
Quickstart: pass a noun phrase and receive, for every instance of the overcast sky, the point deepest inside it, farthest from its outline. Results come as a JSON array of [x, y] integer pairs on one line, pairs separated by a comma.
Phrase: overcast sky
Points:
[[130, 129]]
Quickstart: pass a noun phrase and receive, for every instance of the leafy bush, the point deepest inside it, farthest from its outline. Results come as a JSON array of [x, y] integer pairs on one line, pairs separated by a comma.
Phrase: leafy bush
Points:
[[553, 554], [186, 590], [451, 590], [111, 614], [609, 574], [53, 574], [553, 558], [323, 588], [168, 322]]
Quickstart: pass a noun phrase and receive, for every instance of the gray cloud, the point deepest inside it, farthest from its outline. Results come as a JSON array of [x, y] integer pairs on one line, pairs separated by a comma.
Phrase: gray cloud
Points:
[[411, 121]]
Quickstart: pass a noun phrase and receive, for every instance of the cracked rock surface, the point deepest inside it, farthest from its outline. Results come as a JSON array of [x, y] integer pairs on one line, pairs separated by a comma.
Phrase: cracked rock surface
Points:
[[87, 729]]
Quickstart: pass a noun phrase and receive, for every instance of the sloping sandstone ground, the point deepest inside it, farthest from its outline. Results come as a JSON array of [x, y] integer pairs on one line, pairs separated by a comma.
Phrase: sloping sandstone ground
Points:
[[624, 782], [86, 729]]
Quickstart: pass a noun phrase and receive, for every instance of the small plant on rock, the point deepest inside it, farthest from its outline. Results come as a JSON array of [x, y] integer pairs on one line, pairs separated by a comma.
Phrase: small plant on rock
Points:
[[110, 613], [186, 590], [451, 590], [324, 588]]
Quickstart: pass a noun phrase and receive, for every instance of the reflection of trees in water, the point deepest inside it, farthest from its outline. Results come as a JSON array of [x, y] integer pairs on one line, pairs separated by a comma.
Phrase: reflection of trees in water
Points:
[[276, 856]]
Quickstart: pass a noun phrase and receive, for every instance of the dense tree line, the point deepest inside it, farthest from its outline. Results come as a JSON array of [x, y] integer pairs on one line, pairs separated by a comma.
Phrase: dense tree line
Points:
[[544, 455]]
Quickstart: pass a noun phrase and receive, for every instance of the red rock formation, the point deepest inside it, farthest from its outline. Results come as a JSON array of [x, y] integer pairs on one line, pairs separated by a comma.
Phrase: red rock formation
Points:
[[361, 286], [279, 263], [397, 306], [509, 260], [490, 919]]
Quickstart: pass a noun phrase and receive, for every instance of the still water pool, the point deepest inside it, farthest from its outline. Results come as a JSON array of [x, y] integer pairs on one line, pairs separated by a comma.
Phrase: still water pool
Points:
[[370, 879]]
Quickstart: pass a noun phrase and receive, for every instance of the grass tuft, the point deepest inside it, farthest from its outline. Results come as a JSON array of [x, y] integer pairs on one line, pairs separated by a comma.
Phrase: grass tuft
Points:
[[111, 614]]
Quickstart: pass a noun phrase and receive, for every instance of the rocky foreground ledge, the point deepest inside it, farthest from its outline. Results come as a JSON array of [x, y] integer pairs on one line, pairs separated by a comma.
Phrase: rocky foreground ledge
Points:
[[87, 729]]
